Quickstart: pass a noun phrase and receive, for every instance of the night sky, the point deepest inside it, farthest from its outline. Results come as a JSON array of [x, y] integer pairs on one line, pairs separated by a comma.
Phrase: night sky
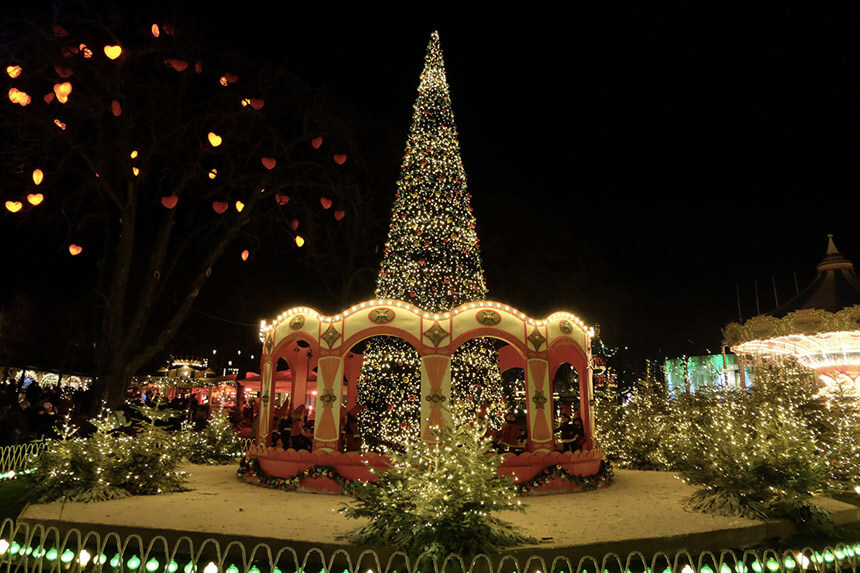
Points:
[[633, 164]]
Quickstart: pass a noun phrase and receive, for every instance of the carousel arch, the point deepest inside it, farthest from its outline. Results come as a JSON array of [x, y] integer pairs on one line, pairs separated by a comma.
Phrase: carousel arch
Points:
[[537, 346]]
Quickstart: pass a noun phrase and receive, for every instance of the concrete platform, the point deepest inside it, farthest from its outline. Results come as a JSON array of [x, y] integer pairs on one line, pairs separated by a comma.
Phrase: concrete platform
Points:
[[641, 511]]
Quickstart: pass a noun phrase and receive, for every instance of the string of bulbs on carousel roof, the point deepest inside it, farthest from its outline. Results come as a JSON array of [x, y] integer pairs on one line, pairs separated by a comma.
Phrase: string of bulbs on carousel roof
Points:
[[266, 327]]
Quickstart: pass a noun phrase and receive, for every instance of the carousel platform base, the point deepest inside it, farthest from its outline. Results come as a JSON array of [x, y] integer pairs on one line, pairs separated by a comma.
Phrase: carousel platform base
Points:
[[640, 511]]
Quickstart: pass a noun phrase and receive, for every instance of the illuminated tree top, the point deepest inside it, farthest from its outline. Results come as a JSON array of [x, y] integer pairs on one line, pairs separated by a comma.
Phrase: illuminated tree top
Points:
[[431, 257]]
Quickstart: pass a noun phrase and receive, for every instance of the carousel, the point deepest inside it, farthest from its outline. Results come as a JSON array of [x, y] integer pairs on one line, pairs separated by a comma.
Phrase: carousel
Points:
[[307, 340], [819, 327]]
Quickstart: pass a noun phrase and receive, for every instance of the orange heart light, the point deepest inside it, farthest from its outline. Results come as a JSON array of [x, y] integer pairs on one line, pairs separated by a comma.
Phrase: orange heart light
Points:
[[13, 206], [64, 72], [239, 206], [170, 201], [340, 158], [19, 97], [35, 199], [269, 163], [220, 206], [116, 108], [60, 32], [49, 97], [75, 250], [294, 224], [13, 71], [156, 31], [198, 67], [213, 173], [214, 139], [300, 241], [256, 104], [282, 199], [325, 202], [62, 91], [316, 142], [38, 176], [231, 78], [338, 215], [113, 52], [245, 254]]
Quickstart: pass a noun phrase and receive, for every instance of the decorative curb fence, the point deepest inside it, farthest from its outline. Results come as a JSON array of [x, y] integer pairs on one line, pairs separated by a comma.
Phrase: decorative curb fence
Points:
[[19, 458], [39, 548]]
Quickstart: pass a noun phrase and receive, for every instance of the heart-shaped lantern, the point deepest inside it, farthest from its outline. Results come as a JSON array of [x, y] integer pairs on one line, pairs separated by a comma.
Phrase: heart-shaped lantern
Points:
[[316, 142], [269, 162], [214, 139], [340, 158], [116, 108], [176, 64], [282, 199], [113, 52], [38, 176], [62, 91], [198, 67], [239, 206], [49, 97], [339, 214], [256, 104], [35, 199], [170, 201], [75, 250], [220, 206], [294, 223], [63, 71], [13, 206], [325, 202], [245, 254]]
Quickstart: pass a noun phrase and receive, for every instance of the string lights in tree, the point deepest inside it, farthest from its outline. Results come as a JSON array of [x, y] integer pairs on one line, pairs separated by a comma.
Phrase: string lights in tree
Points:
[[432, 260]]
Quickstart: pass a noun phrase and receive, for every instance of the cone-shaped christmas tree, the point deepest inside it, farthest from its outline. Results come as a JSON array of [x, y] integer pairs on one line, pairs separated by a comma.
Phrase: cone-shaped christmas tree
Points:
[[432, 260]]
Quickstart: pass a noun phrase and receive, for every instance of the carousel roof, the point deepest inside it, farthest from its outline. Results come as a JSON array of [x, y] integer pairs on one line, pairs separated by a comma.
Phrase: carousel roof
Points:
[[836, 286]]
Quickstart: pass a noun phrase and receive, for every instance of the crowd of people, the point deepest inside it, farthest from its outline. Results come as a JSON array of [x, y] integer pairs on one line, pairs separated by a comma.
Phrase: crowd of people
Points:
[[36, 412]]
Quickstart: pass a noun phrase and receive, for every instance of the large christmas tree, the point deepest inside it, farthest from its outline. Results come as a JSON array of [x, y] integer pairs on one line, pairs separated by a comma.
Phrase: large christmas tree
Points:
[[432, 260]]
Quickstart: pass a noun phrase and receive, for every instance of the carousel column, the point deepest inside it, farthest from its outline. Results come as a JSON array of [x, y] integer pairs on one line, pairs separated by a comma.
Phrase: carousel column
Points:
[[435, 391], [329, 388], [265, 417], [353, 371], [299, 367], [586, 401], [538, 406]]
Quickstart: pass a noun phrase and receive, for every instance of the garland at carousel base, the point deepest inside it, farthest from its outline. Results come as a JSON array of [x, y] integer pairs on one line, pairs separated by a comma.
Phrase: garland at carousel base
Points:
[[533, 473]]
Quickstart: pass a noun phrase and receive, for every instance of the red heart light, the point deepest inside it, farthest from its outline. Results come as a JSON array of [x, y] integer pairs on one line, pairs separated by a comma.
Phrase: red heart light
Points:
[[256, 104], [245, 254], [170, 201], [282, 199], [340, 158], [220, 206], [338, 215], [75, 250], [325, 202], [178, 65], [269, 163], [116, 108], [316, 142], [294, 224], [49, 97], [63, 71]]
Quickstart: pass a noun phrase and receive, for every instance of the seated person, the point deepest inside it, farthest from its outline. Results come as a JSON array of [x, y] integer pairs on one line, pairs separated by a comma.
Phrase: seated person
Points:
[[571, 435], [509, 435]]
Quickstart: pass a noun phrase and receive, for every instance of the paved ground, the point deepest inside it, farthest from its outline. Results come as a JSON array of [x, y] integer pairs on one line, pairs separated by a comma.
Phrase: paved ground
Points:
[[641, 511]]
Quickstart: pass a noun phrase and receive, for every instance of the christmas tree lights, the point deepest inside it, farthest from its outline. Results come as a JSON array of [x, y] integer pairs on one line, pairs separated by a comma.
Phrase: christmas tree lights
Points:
[[432, 260]]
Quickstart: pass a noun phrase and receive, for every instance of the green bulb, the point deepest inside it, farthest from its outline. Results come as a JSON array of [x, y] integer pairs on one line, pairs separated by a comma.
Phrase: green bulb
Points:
[[67, 556], [189, 567], [133, 562], [756, 566], [789, 563], [152, 565], [52, 554], [114, 562], [172, 567], [232, 569], [772, 564], [14, 548], [706, 569]]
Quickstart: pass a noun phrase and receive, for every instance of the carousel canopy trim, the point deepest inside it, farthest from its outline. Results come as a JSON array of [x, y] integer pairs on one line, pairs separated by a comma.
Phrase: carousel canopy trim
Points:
[[265, 327]]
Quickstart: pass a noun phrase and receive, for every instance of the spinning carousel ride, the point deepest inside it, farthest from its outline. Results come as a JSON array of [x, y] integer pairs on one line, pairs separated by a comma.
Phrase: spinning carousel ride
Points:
[[820, 327]]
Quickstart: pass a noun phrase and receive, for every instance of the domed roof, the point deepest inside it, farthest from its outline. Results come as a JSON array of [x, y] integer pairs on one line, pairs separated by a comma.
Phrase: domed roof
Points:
[[836, 286]]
